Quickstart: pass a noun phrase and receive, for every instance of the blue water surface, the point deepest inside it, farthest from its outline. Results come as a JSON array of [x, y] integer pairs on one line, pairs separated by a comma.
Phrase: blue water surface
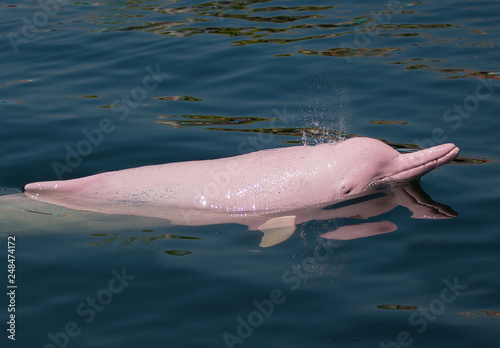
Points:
[[89, 87]]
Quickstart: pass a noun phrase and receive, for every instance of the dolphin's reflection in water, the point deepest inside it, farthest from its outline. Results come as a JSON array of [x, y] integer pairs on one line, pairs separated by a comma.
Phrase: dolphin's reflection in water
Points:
[[363, 207], [410, 195], [19, 213]]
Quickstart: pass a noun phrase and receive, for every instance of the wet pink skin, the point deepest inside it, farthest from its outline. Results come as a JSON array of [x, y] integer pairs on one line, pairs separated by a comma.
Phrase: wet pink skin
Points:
[[267, 181]]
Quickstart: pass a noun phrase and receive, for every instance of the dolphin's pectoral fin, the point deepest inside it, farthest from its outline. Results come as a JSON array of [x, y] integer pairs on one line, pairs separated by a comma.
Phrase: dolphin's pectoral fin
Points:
[[277, 230]]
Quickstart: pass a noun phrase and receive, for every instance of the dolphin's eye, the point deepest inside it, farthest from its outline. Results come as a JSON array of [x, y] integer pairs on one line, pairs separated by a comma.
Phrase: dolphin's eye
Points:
[[346, 190]]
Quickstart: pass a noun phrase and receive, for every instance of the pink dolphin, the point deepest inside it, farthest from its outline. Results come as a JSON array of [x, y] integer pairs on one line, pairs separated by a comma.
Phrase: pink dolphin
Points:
[[262, 182], [19, 214]]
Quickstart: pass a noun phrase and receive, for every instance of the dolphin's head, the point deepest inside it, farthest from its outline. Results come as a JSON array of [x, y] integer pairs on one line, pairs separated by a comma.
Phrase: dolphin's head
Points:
[[366, 163]]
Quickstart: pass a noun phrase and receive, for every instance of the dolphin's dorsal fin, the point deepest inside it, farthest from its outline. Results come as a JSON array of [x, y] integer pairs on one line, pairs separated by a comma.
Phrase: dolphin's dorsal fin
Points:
[[277, 230]]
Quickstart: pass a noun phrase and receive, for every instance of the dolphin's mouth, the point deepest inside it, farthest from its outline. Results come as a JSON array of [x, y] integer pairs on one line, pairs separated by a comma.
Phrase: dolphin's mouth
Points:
[[415, 164]]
